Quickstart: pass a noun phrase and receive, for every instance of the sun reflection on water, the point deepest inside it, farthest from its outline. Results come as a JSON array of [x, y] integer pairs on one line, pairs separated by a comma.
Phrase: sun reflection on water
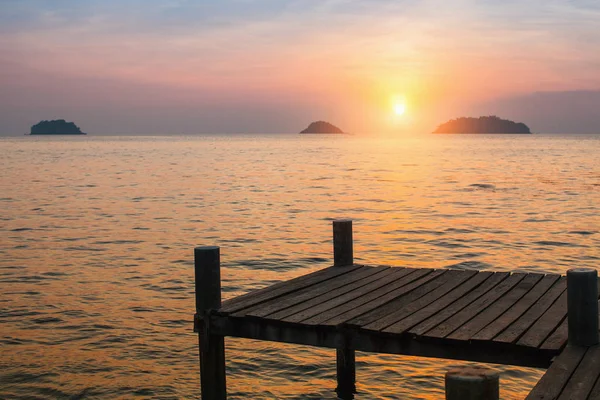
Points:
[[97, 239]]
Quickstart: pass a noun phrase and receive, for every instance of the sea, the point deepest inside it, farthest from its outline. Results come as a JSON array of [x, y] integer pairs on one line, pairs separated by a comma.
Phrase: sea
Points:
[[97, 236]]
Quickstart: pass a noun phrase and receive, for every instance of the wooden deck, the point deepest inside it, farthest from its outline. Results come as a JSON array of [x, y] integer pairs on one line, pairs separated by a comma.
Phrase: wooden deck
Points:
[[575, 375], [499, 317], [509, 318]]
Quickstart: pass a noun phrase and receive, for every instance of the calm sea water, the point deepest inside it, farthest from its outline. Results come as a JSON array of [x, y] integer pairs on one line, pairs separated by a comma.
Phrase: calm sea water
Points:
[[97, 238]]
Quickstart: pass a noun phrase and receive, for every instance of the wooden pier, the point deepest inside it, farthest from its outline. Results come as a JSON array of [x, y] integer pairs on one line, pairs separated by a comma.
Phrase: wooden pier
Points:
[[493, 317]]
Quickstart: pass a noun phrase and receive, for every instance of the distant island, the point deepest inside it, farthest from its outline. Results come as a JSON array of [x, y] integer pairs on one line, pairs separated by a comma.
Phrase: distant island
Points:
[[491, 124], [55, 127], [322, 127]]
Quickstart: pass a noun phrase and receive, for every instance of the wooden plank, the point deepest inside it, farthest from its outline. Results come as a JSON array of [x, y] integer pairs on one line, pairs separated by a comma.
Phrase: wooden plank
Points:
[[585, 376], [439, 304], [556, 377], [402, 301], [520, 326], [595, 393], [317, 309], [281, 288], [558, 338], [460, 304], [278, 304], [491, 313], [546, 324], [430, 282], [412, 303], [366, 303], [333, 294], [516, 310], [374, 300], [469, 312]]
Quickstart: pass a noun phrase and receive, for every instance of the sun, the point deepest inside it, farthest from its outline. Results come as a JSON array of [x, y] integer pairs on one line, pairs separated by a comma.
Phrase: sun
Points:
[[399, 108]]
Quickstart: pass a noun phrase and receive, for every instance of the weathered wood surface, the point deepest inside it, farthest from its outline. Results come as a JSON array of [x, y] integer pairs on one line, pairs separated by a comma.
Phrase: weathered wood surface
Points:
[[574, 375], [517, 318], [526, 303], [524, 322], [281, 288], [457, 304]]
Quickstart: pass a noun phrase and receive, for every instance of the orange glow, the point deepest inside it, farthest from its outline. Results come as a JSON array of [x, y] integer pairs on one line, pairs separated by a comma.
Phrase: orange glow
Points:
[[399, 109]]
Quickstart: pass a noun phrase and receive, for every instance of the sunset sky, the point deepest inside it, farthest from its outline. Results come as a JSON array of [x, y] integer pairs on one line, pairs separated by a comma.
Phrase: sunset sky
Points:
[[149, 66]]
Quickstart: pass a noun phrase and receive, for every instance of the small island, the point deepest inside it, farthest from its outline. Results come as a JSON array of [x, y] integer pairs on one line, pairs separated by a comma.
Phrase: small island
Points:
[[322, 127], [490, 124], [56, 127]]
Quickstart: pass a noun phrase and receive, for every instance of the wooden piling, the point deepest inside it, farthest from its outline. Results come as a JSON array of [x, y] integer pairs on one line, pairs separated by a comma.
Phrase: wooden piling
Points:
[[212, 347], [582, 306], [346, 373], [343, 255], [390, 310], [472, 383]]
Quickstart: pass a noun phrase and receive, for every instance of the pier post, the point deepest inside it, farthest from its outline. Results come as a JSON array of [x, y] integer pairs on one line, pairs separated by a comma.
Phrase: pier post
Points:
[[343, 255], [472, 383], [346, 373], [207, 270], [582, 306]]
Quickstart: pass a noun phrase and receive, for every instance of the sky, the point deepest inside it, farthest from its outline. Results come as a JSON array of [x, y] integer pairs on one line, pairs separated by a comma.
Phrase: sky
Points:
[[270, 66]]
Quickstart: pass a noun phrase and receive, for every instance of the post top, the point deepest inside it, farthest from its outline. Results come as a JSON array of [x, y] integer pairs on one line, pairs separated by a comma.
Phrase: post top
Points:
[[206, 248], [582, 271], [471, 372], [342, 220]]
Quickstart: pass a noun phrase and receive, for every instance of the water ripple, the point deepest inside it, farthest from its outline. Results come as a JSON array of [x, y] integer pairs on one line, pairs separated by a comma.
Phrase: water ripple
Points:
[[97, 261]]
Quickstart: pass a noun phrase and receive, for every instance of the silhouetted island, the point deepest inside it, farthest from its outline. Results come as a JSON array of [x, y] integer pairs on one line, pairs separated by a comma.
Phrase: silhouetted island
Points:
[[491, 124], [322, 127], [55, 127]]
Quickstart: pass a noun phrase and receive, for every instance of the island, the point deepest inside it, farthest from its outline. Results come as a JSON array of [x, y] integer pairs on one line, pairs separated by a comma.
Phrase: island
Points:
[[322, 127], [489, 124], [56, 127]]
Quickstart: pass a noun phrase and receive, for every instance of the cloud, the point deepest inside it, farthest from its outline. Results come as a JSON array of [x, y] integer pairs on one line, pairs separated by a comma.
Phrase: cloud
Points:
[[345, 53]]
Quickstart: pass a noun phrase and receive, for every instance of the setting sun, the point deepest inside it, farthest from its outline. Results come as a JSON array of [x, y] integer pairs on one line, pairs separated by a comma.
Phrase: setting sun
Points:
[[399, 108]]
